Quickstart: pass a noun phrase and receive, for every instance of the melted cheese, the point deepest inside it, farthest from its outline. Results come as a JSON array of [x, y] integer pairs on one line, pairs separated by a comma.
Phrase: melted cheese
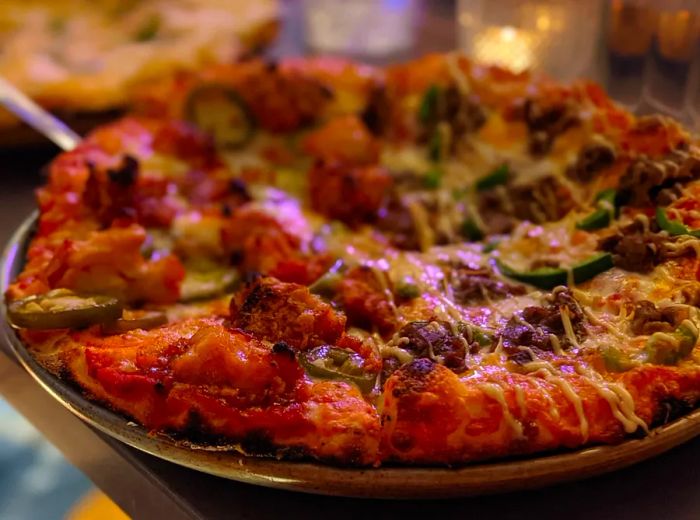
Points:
[[619, 399], [446, 215], [502, 193], [393, 348], [435, 326]]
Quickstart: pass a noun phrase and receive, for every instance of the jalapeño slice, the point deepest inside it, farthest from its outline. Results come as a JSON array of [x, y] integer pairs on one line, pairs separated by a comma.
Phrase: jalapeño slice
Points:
[[132, 320], [63, 309], [218, 110], [326, 362], [550, 277], [209, 283]]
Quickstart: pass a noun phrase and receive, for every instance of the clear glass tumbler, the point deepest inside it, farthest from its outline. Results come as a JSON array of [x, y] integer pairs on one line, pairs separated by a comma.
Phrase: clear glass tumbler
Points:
[[558, 37], [653, 58], [360, 28]]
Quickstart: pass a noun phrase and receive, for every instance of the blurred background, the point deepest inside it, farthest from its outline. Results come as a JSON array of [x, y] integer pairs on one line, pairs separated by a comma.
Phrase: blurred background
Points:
[[83, 59]]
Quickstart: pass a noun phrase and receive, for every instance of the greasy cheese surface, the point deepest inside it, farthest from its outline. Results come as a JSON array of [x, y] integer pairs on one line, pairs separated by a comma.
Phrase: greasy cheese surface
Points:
[[360, 217]]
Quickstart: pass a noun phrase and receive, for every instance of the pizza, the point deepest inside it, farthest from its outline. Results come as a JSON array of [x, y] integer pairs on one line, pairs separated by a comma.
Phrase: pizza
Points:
[[86, 57], [436, 262]]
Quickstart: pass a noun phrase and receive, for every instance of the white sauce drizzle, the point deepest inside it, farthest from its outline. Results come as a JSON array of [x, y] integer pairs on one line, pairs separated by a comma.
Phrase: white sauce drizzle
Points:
[[547, 371], [520, 399], [556, 345], [617, 396], [496, 393], [568, 328], [574, 399]]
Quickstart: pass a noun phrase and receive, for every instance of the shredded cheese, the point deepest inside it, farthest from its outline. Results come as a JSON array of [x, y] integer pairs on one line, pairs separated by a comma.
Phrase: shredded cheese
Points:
[[568, 328], [556, 345], [426, 237]]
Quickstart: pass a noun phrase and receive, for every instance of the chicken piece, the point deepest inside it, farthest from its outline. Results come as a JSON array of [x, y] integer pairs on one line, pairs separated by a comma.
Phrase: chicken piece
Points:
[[110, 262], [278, 311], [259, 238], [345, 139], [351, 194], [365, 302]]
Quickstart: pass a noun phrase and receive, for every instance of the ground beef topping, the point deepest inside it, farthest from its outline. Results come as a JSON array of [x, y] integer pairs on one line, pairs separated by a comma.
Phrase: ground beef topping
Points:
[[462, 113], [634, 247], [593, 158], [558, 324], [646, 180], [435, 340], [377, 113], [477, 285], [546, 200], [546, 123], [647, 318]]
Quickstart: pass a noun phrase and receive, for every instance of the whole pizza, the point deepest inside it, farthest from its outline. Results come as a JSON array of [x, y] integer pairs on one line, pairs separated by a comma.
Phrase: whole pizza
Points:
[[433, 263]]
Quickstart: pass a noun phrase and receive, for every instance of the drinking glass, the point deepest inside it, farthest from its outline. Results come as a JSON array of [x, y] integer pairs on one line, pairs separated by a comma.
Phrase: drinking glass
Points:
[[558, 37], [360, 28]]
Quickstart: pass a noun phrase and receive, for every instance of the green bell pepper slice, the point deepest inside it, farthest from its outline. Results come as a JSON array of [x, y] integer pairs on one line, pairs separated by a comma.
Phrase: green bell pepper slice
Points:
[[550, 277], [615, 360], [599, 219], [428, 107], [433, 179], [605, 213], [149, 29], [674, 227], [470, 230], [481, 336], [490, 246], [494, 178]]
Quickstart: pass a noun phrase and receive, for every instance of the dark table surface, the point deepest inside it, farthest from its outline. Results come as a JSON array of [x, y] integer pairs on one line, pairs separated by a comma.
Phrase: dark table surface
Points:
[[147, 487]]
